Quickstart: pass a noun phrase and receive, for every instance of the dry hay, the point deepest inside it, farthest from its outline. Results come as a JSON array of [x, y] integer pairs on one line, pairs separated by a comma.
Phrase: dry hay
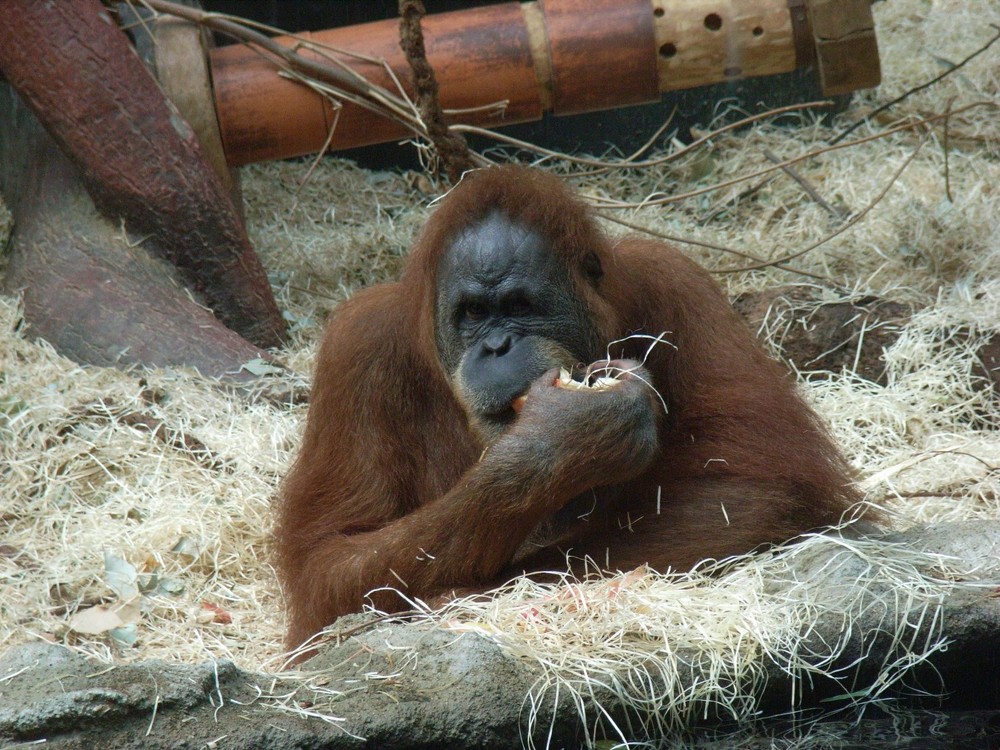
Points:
[[681, 649], [97, 507]]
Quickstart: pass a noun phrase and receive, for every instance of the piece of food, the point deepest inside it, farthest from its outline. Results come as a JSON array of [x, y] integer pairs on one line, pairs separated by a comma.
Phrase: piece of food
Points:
[[590, 382], [565, 380]]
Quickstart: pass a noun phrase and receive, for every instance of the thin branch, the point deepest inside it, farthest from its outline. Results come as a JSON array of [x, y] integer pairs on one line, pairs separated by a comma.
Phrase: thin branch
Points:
[[344, 79], [326, 90], [651, 141], [625, 164], [665, 200], [700, 243], [806, 186], [329, 76], [947, 174], [921, 87], [858, 217], [733, 201]]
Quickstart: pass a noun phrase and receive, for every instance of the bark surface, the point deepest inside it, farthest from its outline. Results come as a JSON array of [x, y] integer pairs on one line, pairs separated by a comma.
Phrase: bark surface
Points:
[[138, 159]]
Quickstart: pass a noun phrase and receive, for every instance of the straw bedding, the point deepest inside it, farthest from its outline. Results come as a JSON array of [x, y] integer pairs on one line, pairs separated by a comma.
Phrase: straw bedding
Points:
[[157, 487]]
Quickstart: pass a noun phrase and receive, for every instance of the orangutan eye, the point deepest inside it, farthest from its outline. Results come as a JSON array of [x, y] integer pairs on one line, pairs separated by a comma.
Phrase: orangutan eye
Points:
[[473, 312], [518, 306]]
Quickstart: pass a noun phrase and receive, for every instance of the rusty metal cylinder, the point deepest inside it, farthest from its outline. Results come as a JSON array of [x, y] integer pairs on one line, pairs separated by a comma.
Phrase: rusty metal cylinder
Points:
[[564, 56]]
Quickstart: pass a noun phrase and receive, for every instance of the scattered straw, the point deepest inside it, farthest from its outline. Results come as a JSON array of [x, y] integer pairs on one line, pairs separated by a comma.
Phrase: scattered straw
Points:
[[81, 479], [676, 649]]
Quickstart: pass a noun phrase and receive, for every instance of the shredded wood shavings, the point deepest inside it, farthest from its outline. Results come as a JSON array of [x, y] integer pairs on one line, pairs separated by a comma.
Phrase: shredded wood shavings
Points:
[[643, 635]]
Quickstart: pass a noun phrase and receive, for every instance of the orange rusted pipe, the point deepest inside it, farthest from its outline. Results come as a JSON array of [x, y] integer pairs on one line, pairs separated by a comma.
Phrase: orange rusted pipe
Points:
[[567, 56]]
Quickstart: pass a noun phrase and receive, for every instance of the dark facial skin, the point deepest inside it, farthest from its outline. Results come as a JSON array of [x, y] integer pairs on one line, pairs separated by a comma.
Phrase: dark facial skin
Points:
[[506, 313]]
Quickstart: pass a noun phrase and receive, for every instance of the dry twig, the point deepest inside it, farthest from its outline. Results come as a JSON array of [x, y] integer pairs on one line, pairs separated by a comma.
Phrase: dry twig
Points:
[[667, 199], [840, 230], [733, 201], [944, 147], [629, 163], [807, 186], [450, 146], [329, 76], [909, 92], [707, 245]]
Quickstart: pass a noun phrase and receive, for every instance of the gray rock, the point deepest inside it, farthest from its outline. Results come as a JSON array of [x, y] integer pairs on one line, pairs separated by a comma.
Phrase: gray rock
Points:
[[405, 685]]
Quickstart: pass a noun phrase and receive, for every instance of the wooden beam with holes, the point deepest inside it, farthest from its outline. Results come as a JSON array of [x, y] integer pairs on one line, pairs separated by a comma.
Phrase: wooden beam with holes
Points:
[[563, 56]]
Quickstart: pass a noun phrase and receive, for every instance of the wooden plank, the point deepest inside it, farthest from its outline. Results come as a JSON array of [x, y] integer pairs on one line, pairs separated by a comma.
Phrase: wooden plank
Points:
[[846, 47]]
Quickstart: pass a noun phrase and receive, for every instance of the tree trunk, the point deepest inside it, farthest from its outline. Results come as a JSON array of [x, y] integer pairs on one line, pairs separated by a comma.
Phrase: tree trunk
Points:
[[138, 159], [95, 295]]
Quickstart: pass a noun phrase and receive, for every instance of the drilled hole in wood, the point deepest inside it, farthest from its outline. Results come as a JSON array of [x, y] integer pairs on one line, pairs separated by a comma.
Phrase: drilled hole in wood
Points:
[[758, 31], [733, 71], [668, 50], [658, 12], [713, 22]]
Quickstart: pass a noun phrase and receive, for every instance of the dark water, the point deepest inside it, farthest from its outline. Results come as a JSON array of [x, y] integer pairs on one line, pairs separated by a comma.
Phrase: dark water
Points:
[[889, 730]]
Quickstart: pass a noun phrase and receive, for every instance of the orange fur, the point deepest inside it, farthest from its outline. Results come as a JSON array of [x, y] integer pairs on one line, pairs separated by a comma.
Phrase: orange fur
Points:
[[392, 489]]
